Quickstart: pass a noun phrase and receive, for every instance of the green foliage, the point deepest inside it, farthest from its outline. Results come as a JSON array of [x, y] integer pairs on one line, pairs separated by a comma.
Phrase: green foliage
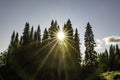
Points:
[[37, 57], [90, 54], [109, 61], [113, 75], [26, 34]]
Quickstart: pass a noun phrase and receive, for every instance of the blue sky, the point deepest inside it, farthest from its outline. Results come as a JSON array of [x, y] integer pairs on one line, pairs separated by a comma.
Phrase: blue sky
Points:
[[103, 15]]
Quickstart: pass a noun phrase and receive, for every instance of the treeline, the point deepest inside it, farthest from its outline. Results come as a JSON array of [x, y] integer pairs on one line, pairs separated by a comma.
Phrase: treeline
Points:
[[45, 57], [110, 60]]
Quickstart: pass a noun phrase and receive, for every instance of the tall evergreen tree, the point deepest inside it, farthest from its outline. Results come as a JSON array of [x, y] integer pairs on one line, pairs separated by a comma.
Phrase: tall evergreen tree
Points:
[[54, 28], [68, 29], [38, 35], [117, 57], [31, 34], [45, 38], [16, 40], [111, 57], [103, 61], [51, 29], [26, 34], [12, 39], [77, 45], [90, 54], [11, 48], [35, 37]]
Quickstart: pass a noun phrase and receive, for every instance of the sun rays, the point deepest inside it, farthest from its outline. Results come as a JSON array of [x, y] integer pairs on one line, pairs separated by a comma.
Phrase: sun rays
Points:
[[61, 35], [60, 43]]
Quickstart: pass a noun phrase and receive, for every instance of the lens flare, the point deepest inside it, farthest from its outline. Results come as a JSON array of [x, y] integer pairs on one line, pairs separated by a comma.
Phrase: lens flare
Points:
[[61, 36]]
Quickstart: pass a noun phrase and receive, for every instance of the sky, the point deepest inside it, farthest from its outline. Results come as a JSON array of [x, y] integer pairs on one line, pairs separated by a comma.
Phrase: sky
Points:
[[103, 15]]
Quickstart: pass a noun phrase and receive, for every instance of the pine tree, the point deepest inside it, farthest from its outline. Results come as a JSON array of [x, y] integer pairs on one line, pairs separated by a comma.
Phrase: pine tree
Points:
[[16, 40], [12, 39], [69, 30], [77, 45], [103, 61], [111, 57], [54, 28], [11, 48], [26, 34], [51, 29], [90, 54], [31, 34], [38, 36], [45, 38], [35, 37], [117, 57]]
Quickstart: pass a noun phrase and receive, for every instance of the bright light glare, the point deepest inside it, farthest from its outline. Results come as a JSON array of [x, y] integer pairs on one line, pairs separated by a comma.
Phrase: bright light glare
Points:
[[61, 36]]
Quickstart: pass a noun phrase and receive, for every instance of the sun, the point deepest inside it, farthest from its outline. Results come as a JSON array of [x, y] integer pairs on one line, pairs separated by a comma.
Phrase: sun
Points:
[[61, 35]]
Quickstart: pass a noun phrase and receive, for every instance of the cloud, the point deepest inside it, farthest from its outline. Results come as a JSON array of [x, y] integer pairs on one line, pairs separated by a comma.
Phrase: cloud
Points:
[[112, 40], [99, 44]]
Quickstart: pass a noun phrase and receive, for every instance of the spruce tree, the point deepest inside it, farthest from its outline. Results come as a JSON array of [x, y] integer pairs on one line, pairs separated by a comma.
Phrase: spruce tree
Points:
[[69, 30], [38, 36], [35, 37], [16, 40], [51, 29], [26, 34], [45, 38], [54, 28], [31, 34], [77, 45], [111, 57], [90, 54], [11, 48], [12, 39]]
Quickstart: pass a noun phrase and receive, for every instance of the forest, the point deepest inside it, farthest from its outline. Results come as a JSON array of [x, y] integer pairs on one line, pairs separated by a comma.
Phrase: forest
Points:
[[55, 56]]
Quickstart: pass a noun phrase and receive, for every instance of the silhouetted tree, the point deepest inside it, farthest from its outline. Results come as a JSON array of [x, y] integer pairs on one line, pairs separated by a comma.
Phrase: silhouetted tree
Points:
[[111, 57], [103, 61], [31, 34], [117, 58], [45, 38], [54, 28], [11, 47], [38, 36], [16, 40], [68, 30], [90, 54], [77, 45], [26, 34]]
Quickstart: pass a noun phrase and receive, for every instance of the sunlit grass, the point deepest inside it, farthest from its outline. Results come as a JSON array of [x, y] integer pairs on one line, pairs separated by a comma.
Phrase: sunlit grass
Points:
[[110, 75]]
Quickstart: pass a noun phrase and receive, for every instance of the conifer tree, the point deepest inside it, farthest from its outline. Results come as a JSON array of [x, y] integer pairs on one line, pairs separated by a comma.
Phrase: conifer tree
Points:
[[111, 57], [11, 47], [38, 36], [26, 34], [51, 29], [35, 37], [77, 44], [68, 29], [117, 57], [90, 54], [103, 61], [12, 39], [54, 28], [16, 40], [31, 34], [45, 37]]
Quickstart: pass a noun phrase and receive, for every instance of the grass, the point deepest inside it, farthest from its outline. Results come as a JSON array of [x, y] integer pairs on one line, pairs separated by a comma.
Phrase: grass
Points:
[[111, 75]]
